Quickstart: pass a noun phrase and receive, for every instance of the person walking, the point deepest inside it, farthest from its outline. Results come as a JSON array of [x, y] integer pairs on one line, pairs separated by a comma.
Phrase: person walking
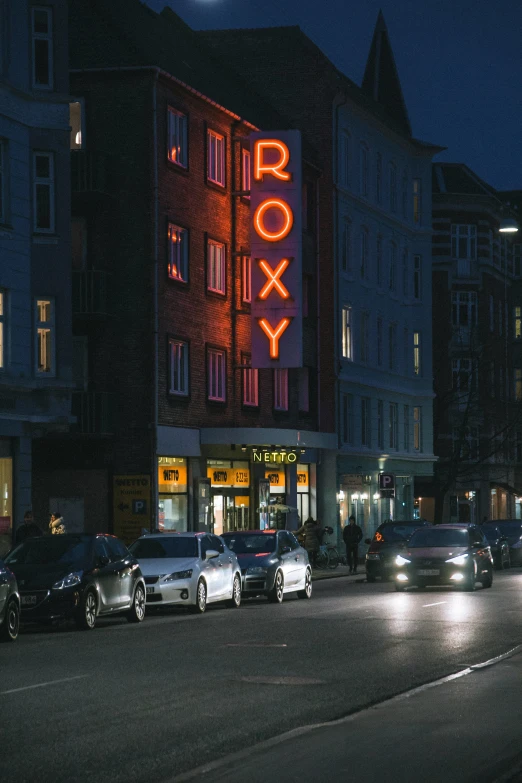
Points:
[[28, 529], [352, 535], [309, 532], [57, 525]]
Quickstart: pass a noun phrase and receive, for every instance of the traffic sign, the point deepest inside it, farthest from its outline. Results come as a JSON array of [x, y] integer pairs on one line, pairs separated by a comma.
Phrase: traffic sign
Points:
[[387, 485]]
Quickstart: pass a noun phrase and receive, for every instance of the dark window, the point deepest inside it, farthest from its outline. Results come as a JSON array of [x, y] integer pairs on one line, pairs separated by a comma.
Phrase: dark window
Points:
[[206, 544], [52, 549], [100, 549], [164, 546], [249, 543], [434, 537], [217, 544], [117, 550]]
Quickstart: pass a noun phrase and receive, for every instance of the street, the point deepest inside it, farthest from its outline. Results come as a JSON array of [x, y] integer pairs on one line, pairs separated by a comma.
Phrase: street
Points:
[[149, 702]]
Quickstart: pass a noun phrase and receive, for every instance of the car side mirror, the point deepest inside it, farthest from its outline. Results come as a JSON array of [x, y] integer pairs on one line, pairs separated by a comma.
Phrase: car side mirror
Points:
[[367, 541], [285, 549], [103, 561], [211, 554]]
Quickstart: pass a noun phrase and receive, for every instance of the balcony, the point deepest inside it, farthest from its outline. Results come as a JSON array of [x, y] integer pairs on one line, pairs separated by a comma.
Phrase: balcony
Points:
[[90, 292], [90, 176], [466, 268], [93, 412]]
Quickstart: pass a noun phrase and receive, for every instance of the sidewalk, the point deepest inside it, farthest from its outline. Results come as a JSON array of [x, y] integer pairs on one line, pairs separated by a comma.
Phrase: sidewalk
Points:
[[341, 570]]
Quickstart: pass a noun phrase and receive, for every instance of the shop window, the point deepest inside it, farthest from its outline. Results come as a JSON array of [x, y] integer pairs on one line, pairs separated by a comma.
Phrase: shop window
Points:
[[172, 494], [6, 501]]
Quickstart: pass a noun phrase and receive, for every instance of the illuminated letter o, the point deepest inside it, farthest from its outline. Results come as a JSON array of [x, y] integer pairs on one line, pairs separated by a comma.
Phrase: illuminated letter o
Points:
[[288, 217], [292, 457]]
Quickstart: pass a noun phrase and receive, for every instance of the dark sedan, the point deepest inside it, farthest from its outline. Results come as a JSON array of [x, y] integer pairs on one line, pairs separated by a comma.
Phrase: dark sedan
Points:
[[9, 605], [499, 545], [77, 576], [388, 541], [445, 555], [512, 530]]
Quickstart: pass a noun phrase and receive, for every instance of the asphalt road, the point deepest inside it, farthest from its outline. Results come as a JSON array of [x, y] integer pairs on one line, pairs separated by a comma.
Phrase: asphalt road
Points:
[[145, 703]]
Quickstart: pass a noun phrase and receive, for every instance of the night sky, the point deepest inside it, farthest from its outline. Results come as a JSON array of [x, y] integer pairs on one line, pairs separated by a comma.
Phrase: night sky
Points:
[[459, 61]]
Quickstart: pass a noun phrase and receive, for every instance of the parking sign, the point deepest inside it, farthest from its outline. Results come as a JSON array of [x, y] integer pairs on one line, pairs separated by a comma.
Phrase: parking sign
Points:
[[387, 485]]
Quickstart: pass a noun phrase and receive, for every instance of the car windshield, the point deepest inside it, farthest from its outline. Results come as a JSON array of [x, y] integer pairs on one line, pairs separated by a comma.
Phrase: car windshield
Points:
[[394, 533], [250, 544], [510, 527], [49, 550], [154, 548], [433, 537]]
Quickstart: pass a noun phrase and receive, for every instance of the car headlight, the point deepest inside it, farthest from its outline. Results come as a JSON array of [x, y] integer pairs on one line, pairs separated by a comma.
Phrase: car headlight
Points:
[[459, 560], [256, 570], [70, 580], [400, 560], [178, 575]]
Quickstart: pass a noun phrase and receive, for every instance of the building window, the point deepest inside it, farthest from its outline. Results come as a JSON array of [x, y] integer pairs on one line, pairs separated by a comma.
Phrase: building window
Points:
[[463, 375], [364, 169], [393, 425], [378, 178], [405, 195], [348, 418], [417, 370], [344, 158], [365, 336], [76, 121], [3, 181], [380, 424], [250, 383], [177, 150], [463, 242], [347, 333], [43, 192], [245, 172], [378, 257], [246, 279], [45, 337], [417, 429], [406, 428], [304, 390], [366, 420], [216, 268], [518, 383], [3, 330], [464, 309], [42, 47], [346, 246], [216, 158], [405, 275], [417, 279], [178, 253], [364, 253], [178, 368], [417, 201], [392, 346], [517, 322], [392, 270], [216, 375], [379, 342], [281, 390], [393, 187]]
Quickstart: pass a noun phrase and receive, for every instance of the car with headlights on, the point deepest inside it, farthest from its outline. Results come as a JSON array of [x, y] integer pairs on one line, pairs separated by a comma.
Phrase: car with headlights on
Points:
[[388, 541], [512, 530], [9, 605], [188, 569], [445, 555], [499, 545], [273, 563], [80, 576]]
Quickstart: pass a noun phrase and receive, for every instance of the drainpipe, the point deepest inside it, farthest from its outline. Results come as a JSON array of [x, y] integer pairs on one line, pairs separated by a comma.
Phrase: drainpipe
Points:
[[155, 294]]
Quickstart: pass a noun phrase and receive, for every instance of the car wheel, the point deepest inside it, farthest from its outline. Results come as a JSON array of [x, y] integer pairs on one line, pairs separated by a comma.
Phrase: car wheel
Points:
[[136, 613], [275, 596], [307, 592], [235, 601], [370, 578], [86, 617], [471, 581], [9, 630], [201, 598], [487, 581]]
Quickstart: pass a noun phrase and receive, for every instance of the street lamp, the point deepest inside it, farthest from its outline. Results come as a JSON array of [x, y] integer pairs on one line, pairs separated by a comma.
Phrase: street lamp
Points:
[[508, 225]]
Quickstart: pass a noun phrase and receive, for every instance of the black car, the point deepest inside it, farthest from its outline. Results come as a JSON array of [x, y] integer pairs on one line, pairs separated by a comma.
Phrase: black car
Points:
[[77, 576], [388, 541], [9, 605], [512, 530], [499, 545], [445, 555]]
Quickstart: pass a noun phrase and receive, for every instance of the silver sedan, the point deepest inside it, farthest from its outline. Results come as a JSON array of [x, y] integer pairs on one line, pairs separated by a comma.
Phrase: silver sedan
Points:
[[188, 569]]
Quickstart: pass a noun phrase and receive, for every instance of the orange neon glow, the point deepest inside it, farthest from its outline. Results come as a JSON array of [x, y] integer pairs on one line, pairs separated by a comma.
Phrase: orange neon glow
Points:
[[273, 203], [274, 334], [273, 276], [275, 169]]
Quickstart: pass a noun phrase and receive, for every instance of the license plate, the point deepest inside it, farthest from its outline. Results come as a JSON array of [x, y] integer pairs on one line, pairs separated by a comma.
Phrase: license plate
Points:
[[28, 600], [150, 590], [428, 572]]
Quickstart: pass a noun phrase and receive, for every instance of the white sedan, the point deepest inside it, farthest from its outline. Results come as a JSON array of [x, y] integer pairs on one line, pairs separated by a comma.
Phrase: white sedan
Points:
[[190, 569]]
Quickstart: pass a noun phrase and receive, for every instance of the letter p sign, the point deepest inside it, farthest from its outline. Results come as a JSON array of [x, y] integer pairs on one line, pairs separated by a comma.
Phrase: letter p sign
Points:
[[387, 485]]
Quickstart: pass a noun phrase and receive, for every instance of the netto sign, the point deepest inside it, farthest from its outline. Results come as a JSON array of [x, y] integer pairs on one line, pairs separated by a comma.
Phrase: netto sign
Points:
[[275, 456]]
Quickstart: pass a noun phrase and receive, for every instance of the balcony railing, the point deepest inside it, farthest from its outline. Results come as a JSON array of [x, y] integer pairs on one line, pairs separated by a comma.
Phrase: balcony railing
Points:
[[90, 292], [93, 412], [89, 172], [466, 268]]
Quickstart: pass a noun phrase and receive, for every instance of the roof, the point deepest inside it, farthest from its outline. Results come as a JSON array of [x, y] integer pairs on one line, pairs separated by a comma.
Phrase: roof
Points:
[[457, 178]]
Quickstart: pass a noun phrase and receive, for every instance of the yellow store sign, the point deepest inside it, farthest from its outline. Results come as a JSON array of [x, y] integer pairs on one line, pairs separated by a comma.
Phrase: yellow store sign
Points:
[[276, 477], [229, 477], [172, 478], [302, 479], [131, 506]]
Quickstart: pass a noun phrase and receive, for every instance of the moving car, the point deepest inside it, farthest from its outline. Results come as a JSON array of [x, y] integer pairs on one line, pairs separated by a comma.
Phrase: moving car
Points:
[[79, 576], [498, 544], [9, 605], [388, 541], [445, 555], [272, 563], [512, 530], [191, 569]]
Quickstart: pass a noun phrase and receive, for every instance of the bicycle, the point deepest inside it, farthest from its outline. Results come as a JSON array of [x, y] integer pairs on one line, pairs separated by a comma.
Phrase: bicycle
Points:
[[328, 555]]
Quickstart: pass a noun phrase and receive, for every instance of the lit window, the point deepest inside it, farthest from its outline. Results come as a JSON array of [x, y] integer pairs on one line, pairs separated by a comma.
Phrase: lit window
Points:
[[366, 435], [216, 158], [3, 181], [417, 202], [2, 330], [364, 169], [75, 121], [393, 425], [216, 375], [281, 390], [216, 269], [43, 192], [417, 278], [179, 367], [246, 279], [347, 333], [416, 353], [178, 253], [45, 337], [177, 150], [393, 187], [250, 383], [42, 47], [364, 253], [517, 327], [518, 383], [245, 172], [417, 429]]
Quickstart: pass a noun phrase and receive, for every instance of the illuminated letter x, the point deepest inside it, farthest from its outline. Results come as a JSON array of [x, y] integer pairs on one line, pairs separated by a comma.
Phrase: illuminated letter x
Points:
[[273, 276]]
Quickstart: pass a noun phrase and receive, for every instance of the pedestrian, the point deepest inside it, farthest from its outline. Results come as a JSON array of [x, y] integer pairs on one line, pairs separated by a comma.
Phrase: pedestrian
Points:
[[56, 524], [309, 532], [28, 529], [352, 534]]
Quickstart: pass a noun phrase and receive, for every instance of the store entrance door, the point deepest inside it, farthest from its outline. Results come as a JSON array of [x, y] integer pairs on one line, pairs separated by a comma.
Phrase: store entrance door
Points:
[[229, 512]]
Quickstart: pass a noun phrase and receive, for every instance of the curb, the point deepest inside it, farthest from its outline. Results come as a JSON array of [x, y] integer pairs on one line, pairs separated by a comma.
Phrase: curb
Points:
[[359, 580]]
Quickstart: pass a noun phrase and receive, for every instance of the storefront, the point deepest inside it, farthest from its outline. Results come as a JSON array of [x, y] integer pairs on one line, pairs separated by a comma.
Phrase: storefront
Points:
[[230, 494], [6, 496], [172, 494]]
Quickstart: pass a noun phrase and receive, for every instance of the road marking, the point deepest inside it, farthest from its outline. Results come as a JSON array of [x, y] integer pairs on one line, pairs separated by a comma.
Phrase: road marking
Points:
[[254, 644], [43, 684], [437, 603], [282, 680]]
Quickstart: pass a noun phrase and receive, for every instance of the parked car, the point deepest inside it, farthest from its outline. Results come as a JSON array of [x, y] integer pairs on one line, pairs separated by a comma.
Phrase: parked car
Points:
[[499, 545], [512, 530], [79, 576], [191, 569], [445, 555], [272, 563], [388, 541], [9, 605]]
